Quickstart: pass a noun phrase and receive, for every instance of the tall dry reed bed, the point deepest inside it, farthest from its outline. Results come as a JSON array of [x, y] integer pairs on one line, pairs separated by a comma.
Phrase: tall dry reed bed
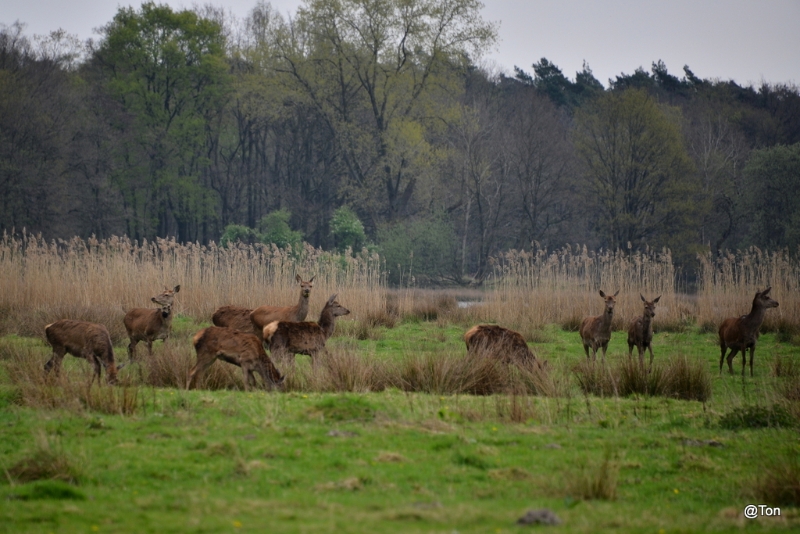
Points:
[[532, 289], [98, 280]]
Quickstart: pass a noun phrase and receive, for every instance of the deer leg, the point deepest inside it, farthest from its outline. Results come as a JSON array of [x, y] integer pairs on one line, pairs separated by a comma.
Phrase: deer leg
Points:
[[641, 357], [723, 348], [730, 358], [586, 350], [54, 363], [650, 348], [197, 371], [246, 376], [752, 350], [132, 350], [150, 348]]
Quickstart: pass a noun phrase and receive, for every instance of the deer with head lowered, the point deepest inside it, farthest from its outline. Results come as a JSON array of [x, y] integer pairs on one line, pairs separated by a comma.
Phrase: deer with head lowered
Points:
[[263, 315], [640, 331], [596, 331], [148, 324], [741, 333], [500, 344], [245, 350], [285, 339], [83, 340]]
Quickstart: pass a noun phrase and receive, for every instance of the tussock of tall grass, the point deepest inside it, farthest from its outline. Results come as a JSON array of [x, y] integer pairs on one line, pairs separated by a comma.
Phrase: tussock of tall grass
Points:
[[678, 378], [74, 390], [595, 482], [779, 482], [48, 461]]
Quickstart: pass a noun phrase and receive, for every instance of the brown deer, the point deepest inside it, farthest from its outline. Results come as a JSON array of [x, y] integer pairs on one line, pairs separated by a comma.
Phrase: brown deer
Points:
[[501, 344], [286, 339], [148, 324], [741, 333], [245, 350], [640, 331], [83, 340], [263, 315], [596, 331]]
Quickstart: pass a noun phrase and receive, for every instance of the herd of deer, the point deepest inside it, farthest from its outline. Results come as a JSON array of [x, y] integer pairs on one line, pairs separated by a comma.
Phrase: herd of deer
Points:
[[239, 335]]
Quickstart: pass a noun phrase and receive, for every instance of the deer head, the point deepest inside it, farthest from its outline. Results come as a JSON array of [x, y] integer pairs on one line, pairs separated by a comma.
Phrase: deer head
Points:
[[305, 287], [167, 297], [611, 300], [650, 306]]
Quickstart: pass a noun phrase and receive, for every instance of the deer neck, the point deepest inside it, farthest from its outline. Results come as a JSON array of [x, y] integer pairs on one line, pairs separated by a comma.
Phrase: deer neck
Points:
[[756, 316], [605, 322], [327, 322], [302, 307]]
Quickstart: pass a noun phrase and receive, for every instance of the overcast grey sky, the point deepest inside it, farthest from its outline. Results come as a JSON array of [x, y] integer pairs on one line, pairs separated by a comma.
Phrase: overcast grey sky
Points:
[[744, 40]]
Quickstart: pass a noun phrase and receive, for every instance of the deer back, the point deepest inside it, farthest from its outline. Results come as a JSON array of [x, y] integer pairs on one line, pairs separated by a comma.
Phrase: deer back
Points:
[[234, 317], [232, 346]]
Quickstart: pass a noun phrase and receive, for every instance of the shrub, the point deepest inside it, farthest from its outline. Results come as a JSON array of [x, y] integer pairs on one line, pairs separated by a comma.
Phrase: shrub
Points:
[[46, 462], [757, 417], [779, 482]]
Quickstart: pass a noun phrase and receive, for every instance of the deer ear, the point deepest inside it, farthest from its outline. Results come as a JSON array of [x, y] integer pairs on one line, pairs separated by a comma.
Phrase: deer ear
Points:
[[297, 278], [656, 299], [642, 296], [764, 293], [333, 298], [602, 294], [312, 278], [177, 288], [617, 293]]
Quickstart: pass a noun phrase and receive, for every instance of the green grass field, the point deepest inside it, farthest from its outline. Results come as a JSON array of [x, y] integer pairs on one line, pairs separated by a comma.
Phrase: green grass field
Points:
[[399, 461]]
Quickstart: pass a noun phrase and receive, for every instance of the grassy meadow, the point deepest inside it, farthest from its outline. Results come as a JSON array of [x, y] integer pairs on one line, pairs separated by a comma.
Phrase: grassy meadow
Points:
[[397, 430]]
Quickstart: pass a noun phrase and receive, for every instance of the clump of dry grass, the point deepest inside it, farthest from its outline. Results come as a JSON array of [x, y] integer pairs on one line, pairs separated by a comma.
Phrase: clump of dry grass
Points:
[[687, 379], [594, 378], [595, 482], [48, 461]]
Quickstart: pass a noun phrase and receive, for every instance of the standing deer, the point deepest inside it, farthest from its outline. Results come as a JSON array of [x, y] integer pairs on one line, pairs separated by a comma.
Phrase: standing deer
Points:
[[596, 331], [500, 344], [263, 315], [83, 340], [741, 333], [243, 349], [286, 339], [640, 331], [148, 324]]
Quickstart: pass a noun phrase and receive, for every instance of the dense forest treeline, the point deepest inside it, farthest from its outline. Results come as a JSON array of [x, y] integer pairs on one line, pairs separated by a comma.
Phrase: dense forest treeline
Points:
[[372, 124]]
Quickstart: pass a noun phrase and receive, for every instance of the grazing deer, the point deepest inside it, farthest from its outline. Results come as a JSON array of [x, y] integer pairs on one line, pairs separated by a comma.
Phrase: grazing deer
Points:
[[83, 340], [286, 339], [596, 331], [239, 348], [640, 331], [500, 344], [741, 333], [264, 315], [148, 324]]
